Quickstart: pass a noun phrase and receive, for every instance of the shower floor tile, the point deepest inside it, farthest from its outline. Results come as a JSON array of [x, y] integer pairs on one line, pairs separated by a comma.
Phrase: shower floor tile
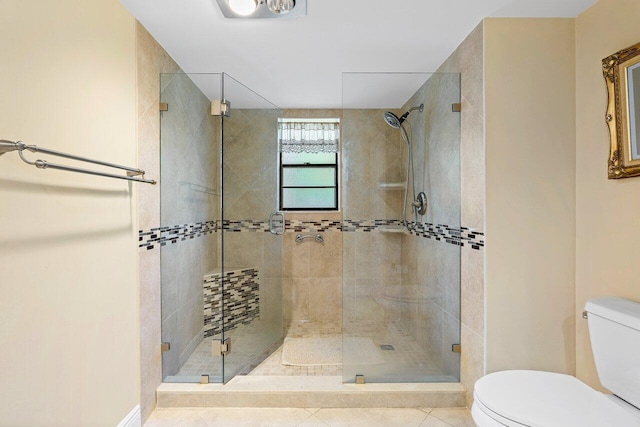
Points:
[[246, 342], [407, 362]]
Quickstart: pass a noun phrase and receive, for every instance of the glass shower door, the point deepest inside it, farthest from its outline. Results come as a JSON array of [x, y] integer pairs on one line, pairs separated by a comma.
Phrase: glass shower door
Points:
[[190, 249], [251, 235], [401, 280]]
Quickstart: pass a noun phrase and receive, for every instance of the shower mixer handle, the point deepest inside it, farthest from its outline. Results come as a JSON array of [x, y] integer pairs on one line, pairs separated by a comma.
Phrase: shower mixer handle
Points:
[[420, 203]]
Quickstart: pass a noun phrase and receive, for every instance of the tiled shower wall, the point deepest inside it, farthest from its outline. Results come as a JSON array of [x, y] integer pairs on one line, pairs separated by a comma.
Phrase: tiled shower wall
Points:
[[432, 273], [467, 60], [357, 263], [151, 61], [312, 271], [249, 193], [372, 154], [193, 202]]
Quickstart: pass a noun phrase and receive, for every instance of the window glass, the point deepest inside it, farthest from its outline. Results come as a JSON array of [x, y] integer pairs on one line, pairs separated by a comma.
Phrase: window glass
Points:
[[309, 198], [309, 177]]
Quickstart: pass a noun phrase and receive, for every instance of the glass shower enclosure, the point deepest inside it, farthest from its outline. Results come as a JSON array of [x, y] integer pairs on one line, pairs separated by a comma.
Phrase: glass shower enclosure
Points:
[[222, 251], [221, 269]]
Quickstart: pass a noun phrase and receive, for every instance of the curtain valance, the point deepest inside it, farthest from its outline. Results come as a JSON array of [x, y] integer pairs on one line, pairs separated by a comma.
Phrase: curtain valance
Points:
[[308, 137]]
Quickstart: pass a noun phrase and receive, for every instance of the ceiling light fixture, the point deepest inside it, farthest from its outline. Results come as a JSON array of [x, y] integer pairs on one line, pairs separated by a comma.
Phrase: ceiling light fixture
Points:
[[243, 7], [261, 9], [281, 6]]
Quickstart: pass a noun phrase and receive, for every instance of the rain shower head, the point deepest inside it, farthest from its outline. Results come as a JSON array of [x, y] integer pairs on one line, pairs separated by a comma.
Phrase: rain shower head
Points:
[[395, 121]]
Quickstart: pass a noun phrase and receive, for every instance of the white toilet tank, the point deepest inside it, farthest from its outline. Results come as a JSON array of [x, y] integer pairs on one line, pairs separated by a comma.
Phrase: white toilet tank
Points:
[[614, 328]]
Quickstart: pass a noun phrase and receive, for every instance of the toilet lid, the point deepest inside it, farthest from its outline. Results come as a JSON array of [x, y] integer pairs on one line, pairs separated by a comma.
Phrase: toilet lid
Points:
[[545, 399]]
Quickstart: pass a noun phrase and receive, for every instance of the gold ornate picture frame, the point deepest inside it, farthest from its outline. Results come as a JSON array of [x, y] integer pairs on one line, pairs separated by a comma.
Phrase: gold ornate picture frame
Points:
[[622, 163]]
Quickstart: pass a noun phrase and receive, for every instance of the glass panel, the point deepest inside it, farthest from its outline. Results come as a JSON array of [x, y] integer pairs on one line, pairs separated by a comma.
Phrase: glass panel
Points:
[[401, 291], [308, 158], [252, 267], [309, 177], [301, 198], [189, 212]]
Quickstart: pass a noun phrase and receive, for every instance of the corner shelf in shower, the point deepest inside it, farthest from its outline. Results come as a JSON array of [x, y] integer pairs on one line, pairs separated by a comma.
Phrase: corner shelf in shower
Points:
[[392, 185], [397, 229]]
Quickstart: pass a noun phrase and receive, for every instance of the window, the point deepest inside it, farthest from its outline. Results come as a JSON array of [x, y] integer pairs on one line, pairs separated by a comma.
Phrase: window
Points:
[[308, 159]]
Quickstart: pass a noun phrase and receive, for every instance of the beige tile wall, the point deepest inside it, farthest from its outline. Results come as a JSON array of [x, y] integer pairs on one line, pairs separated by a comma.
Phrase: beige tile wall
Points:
[[151, 61], [313, 273], [250, 193], [190, 193], [372, 153], [467, 60], [433, 267], [189, 166]]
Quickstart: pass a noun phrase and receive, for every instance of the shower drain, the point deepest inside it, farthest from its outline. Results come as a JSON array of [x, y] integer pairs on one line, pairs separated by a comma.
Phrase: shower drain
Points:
[[386, 347]]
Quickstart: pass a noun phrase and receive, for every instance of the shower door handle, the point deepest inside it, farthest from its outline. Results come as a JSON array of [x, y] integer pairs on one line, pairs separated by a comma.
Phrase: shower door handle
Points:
[[276, 223]]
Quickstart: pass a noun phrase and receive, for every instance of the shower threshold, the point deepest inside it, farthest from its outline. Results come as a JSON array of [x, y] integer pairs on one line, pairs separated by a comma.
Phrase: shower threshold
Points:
[[309, 392]]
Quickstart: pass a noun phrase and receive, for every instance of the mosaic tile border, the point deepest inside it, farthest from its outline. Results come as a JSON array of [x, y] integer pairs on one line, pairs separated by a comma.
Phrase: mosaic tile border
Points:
[[451, 235], [440, 232], [241, 295], [160, 236]]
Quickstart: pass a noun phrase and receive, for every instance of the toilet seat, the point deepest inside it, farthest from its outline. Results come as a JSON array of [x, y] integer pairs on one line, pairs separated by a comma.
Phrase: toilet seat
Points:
[[545, 399]]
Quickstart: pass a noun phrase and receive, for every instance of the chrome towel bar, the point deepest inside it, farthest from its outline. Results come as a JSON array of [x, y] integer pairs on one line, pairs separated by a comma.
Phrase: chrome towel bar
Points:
[[317, 237], [19, 146]]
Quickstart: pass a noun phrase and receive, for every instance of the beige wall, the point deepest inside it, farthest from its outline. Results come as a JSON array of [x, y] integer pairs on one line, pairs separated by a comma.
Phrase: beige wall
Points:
[[607, 226], [68, 241], [530, 194]]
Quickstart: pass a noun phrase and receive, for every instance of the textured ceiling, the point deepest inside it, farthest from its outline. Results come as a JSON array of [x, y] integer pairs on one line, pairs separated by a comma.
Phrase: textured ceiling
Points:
[[298, 62]]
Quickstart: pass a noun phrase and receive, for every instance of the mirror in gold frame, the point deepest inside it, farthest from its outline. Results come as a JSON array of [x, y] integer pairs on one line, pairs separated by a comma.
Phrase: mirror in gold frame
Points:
[[622, 74]]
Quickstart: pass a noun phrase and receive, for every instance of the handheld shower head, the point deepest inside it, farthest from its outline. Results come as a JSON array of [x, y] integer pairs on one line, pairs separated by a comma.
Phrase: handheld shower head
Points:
[[395, 121], [391, 119]]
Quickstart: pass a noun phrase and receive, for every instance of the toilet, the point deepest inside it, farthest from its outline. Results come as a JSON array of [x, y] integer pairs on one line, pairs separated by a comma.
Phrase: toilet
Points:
[[545, 399]]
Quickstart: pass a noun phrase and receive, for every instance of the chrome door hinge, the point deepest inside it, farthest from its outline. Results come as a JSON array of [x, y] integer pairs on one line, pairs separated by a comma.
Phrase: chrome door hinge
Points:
[[221, 107], [221, 348], [585, 315]]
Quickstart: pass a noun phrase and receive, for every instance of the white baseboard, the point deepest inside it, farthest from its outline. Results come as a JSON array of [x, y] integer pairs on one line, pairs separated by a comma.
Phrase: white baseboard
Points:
[[133, 418]]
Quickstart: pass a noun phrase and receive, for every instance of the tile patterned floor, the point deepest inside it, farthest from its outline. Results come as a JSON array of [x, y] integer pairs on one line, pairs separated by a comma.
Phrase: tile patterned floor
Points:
[[311, 417], [407, 362], [250, 343]]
